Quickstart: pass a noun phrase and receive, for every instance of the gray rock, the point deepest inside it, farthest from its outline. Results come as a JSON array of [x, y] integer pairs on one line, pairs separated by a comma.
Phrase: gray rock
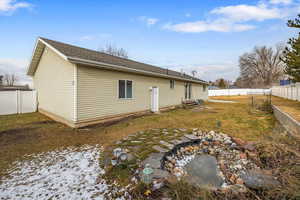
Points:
[[157, 185], [170, 146], [160, 149], [184, 139], [175, 142], [256, 179], [135, 141], [157, 174], [118, 142], [160, 174], [203, 171], [191, 136], [154, 160]]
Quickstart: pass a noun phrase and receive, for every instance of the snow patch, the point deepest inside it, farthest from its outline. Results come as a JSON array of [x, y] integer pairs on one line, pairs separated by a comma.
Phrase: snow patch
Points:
[[72, 173]]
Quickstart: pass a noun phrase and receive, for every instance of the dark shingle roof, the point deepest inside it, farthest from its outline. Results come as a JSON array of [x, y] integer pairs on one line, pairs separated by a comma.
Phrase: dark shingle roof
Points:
[[95, 56]]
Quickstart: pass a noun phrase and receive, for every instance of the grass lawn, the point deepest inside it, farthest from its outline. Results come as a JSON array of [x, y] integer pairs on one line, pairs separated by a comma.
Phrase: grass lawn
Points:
[[289, 106], [35, 133]]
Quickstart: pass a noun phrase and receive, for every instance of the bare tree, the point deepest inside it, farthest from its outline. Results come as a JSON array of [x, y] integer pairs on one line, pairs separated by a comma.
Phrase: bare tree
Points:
[[262, 66], [114, 51], [194, 73], [10, 79], [222, 83]]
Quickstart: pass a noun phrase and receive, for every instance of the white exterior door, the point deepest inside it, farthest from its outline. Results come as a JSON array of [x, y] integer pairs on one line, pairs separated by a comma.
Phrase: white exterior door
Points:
[[154, 99]]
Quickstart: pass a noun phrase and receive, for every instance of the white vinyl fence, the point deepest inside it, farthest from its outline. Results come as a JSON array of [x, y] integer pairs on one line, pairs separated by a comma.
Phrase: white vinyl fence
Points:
[[291, 91], [236, 92], [13, 102]]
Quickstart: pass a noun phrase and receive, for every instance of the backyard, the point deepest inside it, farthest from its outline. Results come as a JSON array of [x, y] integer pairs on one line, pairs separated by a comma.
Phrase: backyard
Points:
[[23, 137]]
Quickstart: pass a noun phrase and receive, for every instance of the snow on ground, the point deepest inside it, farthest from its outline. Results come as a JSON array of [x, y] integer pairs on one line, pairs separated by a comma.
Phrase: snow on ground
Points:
[[72, 173]]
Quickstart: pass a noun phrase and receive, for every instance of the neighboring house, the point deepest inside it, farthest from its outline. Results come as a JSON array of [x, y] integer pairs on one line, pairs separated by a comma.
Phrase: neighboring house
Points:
[[78, 87]]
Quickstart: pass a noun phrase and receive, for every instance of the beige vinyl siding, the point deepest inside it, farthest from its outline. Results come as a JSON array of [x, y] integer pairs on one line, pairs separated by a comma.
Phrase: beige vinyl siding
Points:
[[54, 82], [98, 93], [198, 93]]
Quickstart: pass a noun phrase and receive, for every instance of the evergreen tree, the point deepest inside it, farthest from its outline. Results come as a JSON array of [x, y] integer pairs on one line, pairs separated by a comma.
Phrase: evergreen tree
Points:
[[292, 53]]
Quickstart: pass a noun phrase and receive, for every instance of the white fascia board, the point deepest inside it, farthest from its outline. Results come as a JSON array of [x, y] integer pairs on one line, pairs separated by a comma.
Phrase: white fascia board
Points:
[[32, 55], [54, 49], [122, 68]]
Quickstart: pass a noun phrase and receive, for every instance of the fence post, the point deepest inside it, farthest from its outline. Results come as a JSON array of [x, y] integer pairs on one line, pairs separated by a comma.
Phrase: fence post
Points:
[[18, 99]]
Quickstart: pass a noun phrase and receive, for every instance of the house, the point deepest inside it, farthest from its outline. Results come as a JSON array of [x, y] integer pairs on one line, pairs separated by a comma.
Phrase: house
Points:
[[78, 86]]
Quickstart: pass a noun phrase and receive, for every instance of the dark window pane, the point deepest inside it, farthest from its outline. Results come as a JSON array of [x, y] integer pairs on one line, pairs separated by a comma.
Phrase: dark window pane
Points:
[[129, 89], [172, 84], [121, 89]]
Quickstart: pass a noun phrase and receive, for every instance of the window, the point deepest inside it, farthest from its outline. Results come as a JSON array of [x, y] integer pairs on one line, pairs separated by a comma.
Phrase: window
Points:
[[172, 84], [125, 89], [204, 88]]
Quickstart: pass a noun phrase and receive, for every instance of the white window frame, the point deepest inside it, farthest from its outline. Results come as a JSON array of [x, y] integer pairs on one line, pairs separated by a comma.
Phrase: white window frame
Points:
[[125, 89]]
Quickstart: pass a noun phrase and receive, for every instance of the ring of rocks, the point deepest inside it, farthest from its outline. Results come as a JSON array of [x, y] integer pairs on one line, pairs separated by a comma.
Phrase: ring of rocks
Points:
[[235, 161], [232, 161]]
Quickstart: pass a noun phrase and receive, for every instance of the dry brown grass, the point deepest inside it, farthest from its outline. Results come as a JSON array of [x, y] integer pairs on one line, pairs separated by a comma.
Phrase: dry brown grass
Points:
[[35, 133], [289, 106]]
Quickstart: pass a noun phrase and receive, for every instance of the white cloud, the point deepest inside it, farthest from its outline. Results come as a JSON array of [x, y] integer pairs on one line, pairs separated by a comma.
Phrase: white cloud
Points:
[[246, 12], [204, 26], [188, 15], [281, 2], [9, 6], [17, 67], [211, 72], [148, 20], [237, 18]]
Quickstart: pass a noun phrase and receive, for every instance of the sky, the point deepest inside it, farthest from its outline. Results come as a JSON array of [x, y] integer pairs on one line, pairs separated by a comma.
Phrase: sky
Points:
[[203, 35]]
